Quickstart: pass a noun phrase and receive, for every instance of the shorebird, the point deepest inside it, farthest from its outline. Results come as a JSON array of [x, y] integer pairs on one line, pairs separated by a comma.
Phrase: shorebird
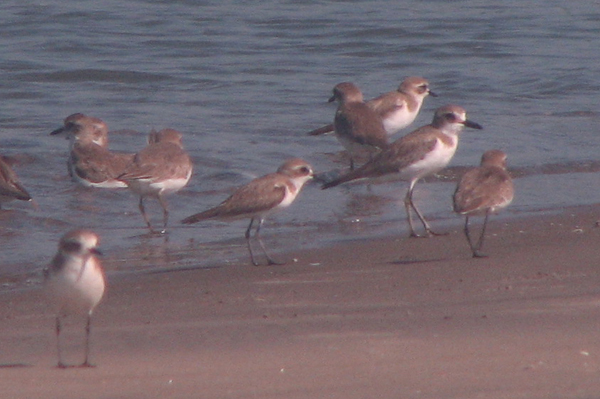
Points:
[[163, 167], [420, 153], [259, 198], [482, 191], [357, 127], [75, 282], [397, 109], [10, 187], [90, 162]]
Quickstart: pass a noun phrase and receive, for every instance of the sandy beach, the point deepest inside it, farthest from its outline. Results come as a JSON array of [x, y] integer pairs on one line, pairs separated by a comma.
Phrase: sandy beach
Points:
[[385, 318]]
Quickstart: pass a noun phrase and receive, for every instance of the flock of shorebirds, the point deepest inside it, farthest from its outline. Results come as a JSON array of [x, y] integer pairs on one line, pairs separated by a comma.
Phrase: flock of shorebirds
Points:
[[75, 278]]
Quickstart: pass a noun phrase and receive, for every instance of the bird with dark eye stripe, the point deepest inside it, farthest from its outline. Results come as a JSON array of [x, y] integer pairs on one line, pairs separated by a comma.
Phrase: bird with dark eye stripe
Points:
[[90, 162], [421, 153], [398, 108], [259, 198], [75, 283]]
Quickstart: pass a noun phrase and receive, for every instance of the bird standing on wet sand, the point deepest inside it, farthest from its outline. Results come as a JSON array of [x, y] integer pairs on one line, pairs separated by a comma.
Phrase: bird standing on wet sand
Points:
[[397, 109], [163, 167], [482, 191], [90, 162], [10, 187], [259, 198], [75, 283], [357, 127], [420, 153]]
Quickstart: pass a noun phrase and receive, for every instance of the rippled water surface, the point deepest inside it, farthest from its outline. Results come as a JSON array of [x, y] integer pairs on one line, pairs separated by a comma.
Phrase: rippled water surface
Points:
[[245, 80]]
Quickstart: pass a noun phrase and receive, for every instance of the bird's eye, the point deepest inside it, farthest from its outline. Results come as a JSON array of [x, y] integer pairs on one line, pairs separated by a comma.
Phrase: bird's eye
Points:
[[305, 170], [73, 127], [451, 117], [72, 246]]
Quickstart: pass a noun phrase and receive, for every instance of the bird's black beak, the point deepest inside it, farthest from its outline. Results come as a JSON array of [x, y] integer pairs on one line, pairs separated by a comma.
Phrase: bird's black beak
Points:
[[58, 131], [472, 125]]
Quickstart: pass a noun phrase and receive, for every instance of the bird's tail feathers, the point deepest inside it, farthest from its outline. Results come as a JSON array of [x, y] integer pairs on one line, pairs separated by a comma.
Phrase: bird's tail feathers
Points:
[[208, 214]]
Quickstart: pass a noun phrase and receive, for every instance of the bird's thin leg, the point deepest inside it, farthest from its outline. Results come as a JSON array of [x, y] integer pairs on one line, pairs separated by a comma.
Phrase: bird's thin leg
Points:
[[247, 235], [163, 203], [468, 235], [476, 253], [143, 211], [426, 226], [60, 364], [257, 235], [88, 328], [407, 206], [410, 204]]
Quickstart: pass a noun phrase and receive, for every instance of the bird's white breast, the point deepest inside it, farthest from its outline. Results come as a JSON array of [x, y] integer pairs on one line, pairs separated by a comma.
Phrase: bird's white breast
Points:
[[77, 290], [433, 161]]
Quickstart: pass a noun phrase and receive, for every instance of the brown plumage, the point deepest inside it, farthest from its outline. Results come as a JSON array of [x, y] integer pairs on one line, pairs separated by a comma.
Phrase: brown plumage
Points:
[[482, 191], [420, 153], [259, 198], [357, 127], [163, 167], [95, 166], [90, 162], [10, 187], [397, 108]]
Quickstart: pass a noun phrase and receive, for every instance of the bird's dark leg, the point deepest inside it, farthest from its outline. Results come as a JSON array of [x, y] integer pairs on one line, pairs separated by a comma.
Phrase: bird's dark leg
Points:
[[407, 206], [257, 235], [476, 253], [468, 235], [408, 203], [88, 328], [143, 211], [60, 364], [247, 235], [163, 203]]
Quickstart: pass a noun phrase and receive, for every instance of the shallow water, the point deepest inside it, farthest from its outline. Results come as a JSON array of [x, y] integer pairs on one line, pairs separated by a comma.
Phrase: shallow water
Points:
[[244, 81]]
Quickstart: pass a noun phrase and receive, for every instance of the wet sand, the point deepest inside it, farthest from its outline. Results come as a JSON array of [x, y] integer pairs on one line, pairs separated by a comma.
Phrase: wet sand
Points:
[[387, 318]]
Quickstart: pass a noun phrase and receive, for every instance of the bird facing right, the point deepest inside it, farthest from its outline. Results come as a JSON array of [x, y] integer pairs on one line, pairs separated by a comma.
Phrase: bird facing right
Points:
[[420, 153], [483, 190], [259, 198], [75, 283], [398, 108]]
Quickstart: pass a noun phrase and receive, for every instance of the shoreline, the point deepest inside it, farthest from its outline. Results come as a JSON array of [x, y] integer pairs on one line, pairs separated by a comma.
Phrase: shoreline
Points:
[[318, 219], [385, 317]]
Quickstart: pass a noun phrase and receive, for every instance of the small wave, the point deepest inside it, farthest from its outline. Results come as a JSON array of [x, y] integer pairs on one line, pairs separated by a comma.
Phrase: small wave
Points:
[[94, 75]]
